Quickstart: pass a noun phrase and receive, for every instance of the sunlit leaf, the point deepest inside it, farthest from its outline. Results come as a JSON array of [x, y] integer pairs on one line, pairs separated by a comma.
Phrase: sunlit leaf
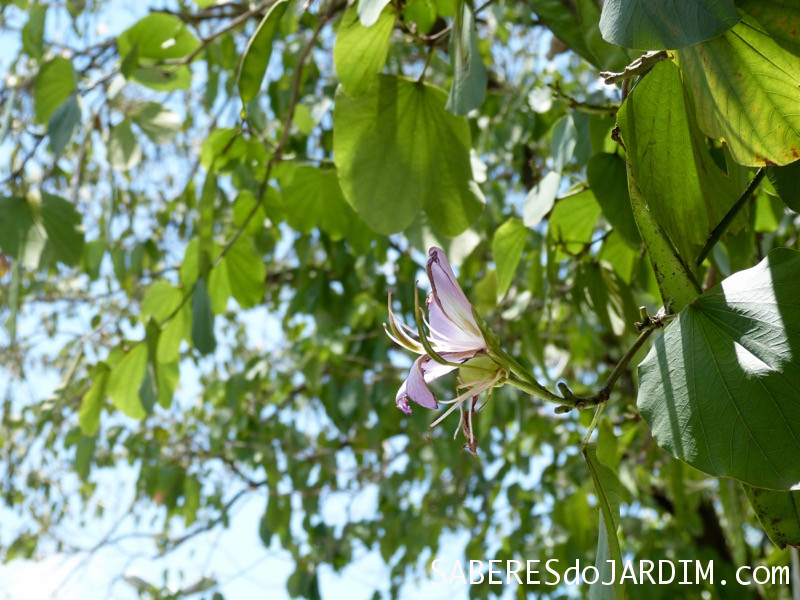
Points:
[[746, 86], [398, 150], [360, 52], [719, 388]]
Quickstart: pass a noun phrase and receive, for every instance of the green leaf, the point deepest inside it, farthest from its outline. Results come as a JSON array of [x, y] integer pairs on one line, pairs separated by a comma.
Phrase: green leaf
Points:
[[573, 220], [665, 24], [63, 224], [92, 401], [168, 376], [160, 301], [398, 150], [258, 51], [610, 495], [565, 139], [676, 283], [63, 123], [507, 246], [598, 591], [245, 204], [54, 83], [469, 74], [786, 181], [41, 232], [125, 379], [157, 37], [746, 86], [369, 11], [124, 151], [607, 444], [202, 320], [609, 182], [156, 122], [779, 514], [672, 164], [719, 388], [313, 198], [21, 237], [360, 52], [246, 272], [576, 23], [539, 201], [33, 31], [607, 56]]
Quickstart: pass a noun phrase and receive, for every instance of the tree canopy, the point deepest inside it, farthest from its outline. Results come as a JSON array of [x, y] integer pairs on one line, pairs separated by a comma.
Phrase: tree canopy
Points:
[[204, 206]]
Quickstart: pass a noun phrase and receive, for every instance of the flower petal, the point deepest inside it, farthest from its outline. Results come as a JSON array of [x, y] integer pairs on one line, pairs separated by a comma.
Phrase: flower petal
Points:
[[401, 333], [423, 371], [447, 294], [446, 336]]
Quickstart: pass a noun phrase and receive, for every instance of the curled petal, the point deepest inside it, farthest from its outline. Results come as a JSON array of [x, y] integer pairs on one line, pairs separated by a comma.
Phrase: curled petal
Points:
[[447, 294], [423, 371], [402, 334]]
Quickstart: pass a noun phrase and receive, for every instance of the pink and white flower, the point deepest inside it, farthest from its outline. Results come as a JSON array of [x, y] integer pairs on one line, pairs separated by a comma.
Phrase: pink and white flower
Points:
[[454, 336]]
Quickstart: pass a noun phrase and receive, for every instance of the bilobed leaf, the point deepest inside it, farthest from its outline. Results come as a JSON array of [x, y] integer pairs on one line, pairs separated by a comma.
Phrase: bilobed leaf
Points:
[[507, 246], [671, 161], [469, 73], [63, 123], [54, 83], [92, 401], [665, 24], [313, 198], [786, 181], [779, 514], [397, 150], [719, 389], [258, 51], [608, 179], [369, 11], [360, 52], [746, 85], [125, 379], [202, 320], [539, 201], [124, 151]]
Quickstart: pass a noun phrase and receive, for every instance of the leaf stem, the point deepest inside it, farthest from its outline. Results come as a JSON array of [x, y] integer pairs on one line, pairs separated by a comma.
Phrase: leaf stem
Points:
[[723, 225]]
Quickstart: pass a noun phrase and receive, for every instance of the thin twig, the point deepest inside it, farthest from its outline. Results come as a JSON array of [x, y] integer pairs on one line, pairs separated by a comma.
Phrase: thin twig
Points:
[[723, 225]]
